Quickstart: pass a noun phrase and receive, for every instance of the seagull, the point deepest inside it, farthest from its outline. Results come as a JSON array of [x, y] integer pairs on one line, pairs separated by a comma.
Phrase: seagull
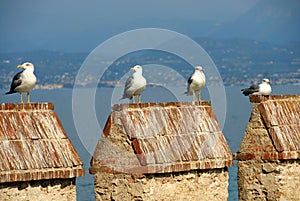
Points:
[[262, 89], [196, 82], [23, 81], [135, 84]]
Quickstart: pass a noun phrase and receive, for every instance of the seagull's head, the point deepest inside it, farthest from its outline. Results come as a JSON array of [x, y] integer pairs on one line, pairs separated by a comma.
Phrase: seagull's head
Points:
[[267, 81], [27, 65], [199, 68], [137, 68]]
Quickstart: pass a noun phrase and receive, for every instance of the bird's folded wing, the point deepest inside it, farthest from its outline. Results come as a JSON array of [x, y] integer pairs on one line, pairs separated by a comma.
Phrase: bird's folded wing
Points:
[[17, 81]]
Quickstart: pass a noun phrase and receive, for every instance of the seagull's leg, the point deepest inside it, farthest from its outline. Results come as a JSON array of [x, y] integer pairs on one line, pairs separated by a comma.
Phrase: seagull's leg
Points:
[[194, 96], [28, 97], [139, 98], [199, 96], [133, 101], [21, 97]]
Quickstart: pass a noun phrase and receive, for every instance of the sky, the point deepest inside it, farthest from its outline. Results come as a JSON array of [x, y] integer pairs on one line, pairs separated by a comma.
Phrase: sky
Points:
[[80, 25]]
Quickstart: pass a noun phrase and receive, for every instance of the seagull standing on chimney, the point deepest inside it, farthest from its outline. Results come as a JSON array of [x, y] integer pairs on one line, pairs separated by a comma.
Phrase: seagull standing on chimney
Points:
[[262, 89], [135, 84], [196, 82], [23, 81]]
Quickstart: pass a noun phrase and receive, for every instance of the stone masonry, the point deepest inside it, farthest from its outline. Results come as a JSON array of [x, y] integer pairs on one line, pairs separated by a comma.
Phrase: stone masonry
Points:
[[192, 185], [54, 189]]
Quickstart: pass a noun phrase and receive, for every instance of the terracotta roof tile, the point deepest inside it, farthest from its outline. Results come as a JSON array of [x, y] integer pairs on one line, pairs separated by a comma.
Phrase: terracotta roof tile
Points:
[[281, 117], [165, 137], [33, 142]]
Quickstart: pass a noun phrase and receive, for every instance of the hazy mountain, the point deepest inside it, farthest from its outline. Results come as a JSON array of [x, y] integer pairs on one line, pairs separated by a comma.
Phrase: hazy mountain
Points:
[[269, 20], [81, 27]]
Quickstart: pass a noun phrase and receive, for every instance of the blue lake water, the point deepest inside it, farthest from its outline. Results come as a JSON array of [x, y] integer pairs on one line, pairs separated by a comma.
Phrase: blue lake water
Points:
[[237, 107]]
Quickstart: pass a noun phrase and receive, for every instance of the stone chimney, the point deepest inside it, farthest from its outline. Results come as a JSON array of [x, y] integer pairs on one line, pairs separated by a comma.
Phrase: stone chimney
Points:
[[269, 155], [161, 151], [38, 161]]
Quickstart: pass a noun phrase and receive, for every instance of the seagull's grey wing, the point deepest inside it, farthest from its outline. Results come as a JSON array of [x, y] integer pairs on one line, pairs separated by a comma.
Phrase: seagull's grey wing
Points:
[[252, 89], [17, 81], [190, 80], [128, 84]]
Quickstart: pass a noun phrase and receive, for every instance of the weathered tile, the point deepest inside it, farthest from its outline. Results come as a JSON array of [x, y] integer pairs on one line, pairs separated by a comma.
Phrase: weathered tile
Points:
[[169, 137], [33, 142]]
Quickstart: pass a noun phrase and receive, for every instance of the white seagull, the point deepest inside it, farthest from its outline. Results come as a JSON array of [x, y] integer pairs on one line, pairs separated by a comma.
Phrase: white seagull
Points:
[[196, 82], [135, 84], [23, 81], [262, 89]]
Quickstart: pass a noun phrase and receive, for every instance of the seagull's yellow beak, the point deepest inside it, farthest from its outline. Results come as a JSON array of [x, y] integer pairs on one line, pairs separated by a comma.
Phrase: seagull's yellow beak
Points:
[[132, 69], [20, 66]]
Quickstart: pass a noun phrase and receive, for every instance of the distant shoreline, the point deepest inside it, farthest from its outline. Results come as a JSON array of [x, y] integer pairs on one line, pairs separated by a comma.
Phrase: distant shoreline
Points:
[[56, 86]]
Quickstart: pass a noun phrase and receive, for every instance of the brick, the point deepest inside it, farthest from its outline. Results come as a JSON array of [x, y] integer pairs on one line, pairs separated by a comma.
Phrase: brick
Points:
[[7, 106], [245, 156], [107, 127], [259, 98], [268, 148], [255, 148], [139, 152]]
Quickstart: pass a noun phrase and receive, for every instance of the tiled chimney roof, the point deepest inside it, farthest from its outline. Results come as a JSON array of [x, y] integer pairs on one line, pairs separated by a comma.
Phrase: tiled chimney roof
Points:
[[34, 145], [273, 131], [158, 138]]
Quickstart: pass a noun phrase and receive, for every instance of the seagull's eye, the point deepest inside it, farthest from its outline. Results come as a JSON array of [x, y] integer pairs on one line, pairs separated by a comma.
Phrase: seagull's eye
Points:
[[27, 64]]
